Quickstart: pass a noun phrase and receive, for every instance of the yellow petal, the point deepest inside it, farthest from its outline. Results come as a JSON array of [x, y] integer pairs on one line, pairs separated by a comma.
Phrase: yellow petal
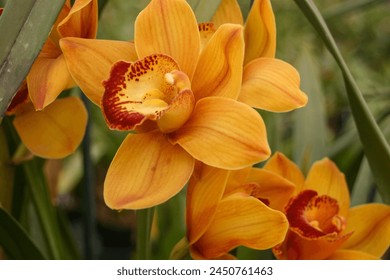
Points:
[[54, 132], [141, 91], [271, 187], [89, 62], [219, 70], [203, 195], [146, 171], [260, 31], [81, 21], [287, 169], [206, 31], [370, 224], [169, 27], [325, 178], [351, 255], [47, 78], [242, 220], [273, 85], [224, 133], [228, 12]]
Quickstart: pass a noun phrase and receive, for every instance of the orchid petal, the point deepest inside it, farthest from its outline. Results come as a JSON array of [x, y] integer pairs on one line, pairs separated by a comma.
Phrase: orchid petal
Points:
[[219, 70], [260, 31], [370, 224], [54, 132], [287, 169], [273, 85], [242, 220], [224, 133], [203, 195], [47, 79], [271, 187], [228, 12], [169, 27], [89, 62], [81, 21], [325, 178], [351, 255], [146, 171]]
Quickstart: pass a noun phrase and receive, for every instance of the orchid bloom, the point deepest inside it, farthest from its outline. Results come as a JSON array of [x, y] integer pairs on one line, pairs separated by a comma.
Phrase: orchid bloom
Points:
[[179, 97], [322, 224], [224, 211], [267, 83], [54, 132], [49, 75]]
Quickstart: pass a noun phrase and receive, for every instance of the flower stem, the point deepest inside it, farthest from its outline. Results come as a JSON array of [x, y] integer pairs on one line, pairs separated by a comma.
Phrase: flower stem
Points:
[[144, 226]]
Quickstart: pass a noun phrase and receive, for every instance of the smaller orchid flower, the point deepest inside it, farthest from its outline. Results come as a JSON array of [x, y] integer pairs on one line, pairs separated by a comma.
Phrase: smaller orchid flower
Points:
[[224, 211], [54, 132], [49, 74], [268, 83], [322, 224]]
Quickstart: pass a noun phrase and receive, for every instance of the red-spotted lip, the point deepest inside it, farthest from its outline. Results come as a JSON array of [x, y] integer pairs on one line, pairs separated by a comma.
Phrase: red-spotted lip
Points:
[[313, 216], [138, 91]]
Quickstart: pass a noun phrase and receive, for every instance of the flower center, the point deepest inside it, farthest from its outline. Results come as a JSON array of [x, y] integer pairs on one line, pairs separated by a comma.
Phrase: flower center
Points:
[[314, 216], [146, 90]]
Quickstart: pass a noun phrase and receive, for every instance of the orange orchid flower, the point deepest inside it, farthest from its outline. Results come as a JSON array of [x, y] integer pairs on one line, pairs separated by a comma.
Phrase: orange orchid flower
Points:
[[268, 83], [54, 132], [49, 75], [224, 211], [180, 100], [322, 224]]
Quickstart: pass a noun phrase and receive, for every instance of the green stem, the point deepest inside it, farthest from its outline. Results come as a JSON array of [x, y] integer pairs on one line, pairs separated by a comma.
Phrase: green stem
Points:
[[44, 208], [144, 226]]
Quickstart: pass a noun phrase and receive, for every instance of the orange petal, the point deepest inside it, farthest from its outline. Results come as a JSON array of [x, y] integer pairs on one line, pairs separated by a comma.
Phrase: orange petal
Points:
[[260, 31], [287, 169], [271, 187], [206, 31], [203, 195], [81, 21], [146, 171], [370, 224], [294, 247], [351, 255], [228, 12], [47, 79], [89, 62], [325, 178], [139, 91], [242, 220], [54, 132], [219, 70], [230, 138], [273, 85], [169, 27]]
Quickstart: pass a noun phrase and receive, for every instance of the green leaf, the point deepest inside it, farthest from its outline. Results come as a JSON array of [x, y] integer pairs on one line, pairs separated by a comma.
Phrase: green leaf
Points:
[[204, 9], [6, 173], [25, 26], [310, 131], [375, 146], [15, 241]]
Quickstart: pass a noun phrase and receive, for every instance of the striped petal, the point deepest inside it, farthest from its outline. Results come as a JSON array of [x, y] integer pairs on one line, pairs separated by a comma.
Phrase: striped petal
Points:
[[89, 62], [272, 85], [230, 138], [228, 12], [242, 220], [370, 224], [219, 70], [260, 31], [146, 171], [169, 27], [203, 195], [54, 132]]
